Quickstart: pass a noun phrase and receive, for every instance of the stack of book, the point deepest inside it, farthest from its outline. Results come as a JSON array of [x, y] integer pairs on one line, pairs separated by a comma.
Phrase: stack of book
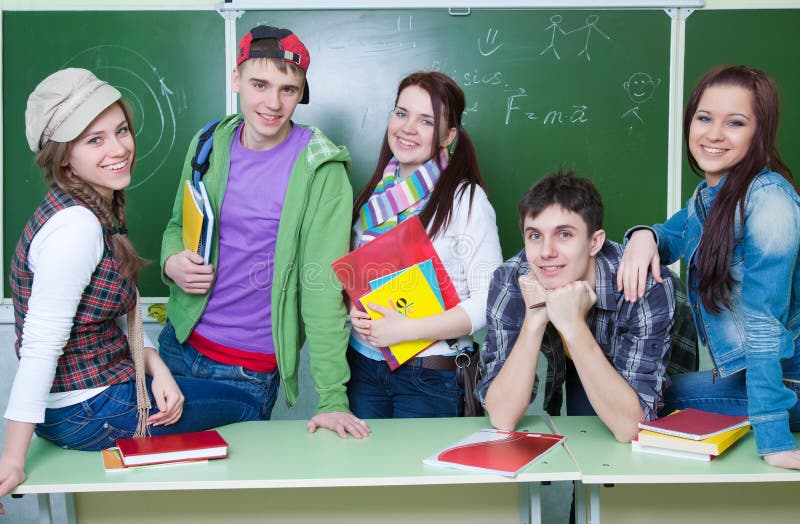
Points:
[[400, 269], [690, 433], [412, 291], [178, 448]]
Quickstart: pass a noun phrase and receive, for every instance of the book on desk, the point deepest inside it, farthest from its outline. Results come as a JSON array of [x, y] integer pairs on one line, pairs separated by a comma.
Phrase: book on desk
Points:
[[690, 433], [494, 451], [198, 445]]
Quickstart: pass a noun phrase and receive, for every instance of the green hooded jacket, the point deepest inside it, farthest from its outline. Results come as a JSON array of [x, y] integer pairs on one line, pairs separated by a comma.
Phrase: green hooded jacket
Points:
[[314, 230]]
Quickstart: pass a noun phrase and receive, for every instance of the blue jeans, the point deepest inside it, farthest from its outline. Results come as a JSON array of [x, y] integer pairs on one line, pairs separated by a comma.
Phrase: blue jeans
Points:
[[576, 398], [184, 360], [411, 391], [98, 422], [700, 390]]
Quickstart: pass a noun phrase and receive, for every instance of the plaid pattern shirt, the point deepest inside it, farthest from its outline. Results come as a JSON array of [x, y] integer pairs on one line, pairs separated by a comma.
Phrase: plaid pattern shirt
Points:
[[97, 352], [644, 340]]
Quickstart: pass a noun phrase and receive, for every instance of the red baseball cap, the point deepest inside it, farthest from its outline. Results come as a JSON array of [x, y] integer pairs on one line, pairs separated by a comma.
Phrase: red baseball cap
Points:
[[292, 49]]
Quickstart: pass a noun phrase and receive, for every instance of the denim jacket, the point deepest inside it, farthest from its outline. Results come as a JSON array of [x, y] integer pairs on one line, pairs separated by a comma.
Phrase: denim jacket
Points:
[[760, 332]]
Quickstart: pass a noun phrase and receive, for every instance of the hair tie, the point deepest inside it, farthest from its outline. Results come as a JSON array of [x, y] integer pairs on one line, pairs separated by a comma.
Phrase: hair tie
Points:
[[116, 230]]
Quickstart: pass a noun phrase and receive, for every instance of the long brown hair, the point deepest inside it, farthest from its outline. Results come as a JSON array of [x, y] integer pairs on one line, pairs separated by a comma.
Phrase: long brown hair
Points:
[[51, 159], [462, 171], [714, 254]]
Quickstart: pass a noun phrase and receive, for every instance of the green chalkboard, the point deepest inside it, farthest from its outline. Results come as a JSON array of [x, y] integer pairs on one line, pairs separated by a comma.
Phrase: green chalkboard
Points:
[[766, 39], [544, 88], [170, 65]]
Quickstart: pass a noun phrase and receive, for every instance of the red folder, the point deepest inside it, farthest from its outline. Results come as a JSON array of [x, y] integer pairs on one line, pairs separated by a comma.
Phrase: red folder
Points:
[[402, 246], [495, 451]]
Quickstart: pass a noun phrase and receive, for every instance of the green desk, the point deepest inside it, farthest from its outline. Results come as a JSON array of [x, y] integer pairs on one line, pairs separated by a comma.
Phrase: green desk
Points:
[[734, 482], [383, 472]]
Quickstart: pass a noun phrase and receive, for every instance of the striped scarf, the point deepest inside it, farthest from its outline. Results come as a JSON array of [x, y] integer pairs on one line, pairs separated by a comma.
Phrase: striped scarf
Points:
[[395, 200]]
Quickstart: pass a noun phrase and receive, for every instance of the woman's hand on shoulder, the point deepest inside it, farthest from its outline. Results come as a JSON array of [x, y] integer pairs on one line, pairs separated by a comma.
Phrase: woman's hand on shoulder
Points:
[[641, 255], [784, 459]]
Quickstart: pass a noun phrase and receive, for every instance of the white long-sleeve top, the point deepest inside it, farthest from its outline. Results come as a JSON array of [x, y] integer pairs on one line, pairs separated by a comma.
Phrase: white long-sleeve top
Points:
[[63, 255], [470, 251]]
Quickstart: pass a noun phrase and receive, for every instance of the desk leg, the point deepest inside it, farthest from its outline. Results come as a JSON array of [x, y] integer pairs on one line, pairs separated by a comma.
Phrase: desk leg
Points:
[[530, 503], [45, 515], [580, 502], [69, 504], [524, 503], [594, 503]]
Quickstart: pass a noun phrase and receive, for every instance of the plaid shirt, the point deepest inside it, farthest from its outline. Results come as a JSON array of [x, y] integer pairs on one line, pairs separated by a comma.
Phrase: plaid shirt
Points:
[[644, 340], [97, 352]]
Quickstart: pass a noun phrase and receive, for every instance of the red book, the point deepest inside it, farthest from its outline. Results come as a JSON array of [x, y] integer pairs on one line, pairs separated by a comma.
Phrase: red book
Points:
[[172, 448], [495, 451], [694, 424]]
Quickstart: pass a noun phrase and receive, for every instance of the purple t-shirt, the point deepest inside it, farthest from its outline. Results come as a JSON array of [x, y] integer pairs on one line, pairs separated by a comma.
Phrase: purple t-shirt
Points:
[[239, 309]]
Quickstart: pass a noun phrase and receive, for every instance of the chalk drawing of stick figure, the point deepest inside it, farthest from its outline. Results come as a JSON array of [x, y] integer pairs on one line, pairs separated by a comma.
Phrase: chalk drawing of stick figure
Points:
[[640, 88], [591, 22], [555, 25]]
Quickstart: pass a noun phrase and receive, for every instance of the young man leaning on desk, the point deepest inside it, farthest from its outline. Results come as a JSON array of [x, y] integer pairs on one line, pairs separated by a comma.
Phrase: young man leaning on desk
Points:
[[558, 297]]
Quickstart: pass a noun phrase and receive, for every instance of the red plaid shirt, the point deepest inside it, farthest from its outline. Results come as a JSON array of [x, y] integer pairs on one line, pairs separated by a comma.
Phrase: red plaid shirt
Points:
[[97, 352]]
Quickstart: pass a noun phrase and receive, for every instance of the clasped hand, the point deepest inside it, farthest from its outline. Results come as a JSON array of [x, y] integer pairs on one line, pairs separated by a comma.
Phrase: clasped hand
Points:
[[566, 306]]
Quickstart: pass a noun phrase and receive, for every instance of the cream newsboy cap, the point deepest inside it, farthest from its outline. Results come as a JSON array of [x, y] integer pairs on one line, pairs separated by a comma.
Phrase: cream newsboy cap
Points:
[[64, 104]]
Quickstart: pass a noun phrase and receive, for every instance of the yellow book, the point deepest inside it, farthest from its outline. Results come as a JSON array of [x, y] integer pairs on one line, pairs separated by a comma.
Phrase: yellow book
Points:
[[712, 445], [410, 294], [198, 220]]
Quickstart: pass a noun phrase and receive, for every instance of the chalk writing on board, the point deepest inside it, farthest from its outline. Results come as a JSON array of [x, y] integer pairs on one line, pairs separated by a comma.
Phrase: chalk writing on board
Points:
[[147, 91], [555, 25], [640, 88], [575, 114], [554, 29], [591, 24], [489, 45]]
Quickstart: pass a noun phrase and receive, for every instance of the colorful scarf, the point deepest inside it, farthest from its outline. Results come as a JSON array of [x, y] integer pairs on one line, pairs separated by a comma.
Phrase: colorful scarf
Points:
[[395, 200]]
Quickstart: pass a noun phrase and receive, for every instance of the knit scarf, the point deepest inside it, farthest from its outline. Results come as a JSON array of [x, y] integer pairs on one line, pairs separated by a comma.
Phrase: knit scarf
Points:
[[395, 200]]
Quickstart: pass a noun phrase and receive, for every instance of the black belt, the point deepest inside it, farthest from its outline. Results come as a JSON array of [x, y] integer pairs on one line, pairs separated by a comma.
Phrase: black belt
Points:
[[436, 362]]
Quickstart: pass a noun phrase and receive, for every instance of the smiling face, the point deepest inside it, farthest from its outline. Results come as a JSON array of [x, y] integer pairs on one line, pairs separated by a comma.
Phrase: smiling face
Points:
[[103, 154], [640, 87], [267, 98], [410, 131], [722, 130], [559, 248]]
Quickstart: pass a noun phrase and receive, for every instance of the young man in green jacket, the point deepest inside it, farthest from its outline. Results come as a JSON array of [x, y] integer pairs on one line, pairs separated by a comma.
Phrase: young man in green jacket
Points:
[[282, 204]]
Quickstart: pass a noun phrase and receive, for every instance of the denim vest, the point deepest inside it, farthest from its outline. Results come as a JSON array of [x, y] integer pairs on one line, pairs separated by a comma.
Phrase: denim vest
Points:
[[761, 330]]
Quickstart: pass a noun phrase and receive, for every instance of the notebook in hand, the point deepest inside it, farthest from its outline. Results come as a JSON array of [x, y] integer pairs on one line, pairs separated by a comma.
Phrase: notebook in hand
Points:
[[198, 445], [493, 451], [411, 294], [694, 424], [198, 220], [427, 269]]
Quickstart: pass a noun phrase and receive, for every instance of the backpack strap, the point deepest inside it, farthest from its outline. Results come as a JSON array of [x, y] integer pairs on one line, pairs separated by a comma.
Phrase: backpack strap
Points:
[[200, 161]]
